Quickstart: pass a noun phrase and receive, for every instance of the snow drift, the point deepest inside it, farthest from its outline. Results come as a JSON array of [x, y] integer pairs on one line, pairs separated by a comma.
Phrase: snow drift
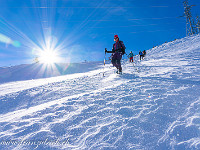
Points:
[[155, 104]]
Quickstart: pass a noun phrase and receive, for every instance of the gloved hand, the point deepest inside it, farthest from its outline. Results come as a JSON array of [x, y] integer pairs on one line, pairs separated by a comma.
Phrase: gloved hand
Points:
[[106, 50]]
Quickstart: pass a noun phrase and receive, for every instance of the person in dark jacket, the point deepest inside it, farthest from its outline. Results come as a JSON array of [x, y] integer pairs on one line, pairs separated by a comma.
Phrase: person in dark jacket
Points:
[[144, 53], [117, 51]]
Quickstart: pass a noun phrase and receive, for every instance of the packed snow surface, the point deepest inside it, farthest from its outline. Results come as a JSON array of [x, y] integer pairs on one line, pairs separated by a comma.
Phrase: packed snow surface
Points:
[[153, 105]]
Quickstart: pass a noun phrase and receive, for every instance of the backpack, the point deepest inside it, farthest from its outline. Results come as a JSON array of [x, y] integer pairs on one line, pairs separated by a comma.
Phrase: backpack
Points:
[[123, 49]]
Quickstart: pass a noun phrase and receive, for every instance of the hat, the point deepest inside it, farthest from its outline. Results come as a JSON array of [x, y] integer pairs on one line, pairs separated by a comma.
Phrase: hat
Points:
[[116, 36]]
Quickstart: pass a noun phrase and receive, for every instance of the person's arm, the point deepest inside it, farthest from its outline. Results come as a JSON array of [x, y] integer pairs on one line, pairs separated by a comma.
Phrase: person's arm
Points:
[[106, 51]]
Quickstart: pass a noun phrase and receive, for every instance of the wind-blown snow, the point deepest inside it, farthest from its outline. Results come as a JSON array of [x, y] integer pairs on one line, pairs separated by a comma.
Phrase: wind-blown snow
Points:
[[155, 104]]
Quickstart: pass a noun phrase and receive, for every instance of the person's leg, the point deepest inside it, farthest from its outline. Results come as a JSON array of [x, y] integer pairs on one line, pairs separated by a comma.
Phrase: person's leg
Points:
[[114, 62], [119, 65], [131, 60]]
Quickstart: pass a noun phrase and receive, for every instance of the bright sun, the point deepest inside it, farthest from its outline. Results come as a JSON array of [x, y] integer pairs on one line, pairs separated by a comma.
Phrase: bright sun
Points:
[[48, 56], [49, 51]]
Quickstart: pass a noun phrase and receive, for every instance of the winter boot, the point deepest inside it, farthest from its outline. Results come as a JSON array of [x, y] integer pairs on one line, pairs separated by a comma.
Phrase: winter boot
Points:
[[117, 71], [120, 70]]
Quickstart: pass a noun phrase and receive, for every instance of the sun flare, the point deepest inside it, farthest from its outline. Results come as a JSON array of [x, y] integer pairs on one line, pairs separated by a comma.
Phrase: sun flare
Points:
[[48, 51], [48, 56]]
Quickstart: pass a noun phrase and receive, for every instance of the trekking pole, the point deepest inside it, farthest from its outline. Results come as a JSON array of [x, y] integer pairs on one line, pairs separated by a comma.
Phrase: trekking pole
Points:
[[127, 58], [104, 62]]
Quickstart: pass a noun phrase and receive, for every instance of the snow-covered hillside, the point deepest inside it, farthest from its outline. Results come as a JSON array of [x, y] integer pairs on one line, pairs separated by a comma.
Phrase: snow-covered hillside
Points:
[[154, 105], [37, 70]]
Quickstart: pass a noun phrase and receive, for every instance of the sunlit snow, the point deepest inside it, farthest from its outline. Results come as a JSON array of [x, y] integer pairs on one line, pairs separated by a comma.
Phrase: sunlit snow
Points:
[[154, 104]]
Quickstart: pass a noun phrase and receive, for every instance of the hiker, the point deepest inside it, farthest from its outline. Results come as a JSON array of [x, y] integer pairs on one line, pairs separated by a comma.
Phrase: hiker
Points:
[[144, 53], [141, 55], [117, 51], [130, 56]]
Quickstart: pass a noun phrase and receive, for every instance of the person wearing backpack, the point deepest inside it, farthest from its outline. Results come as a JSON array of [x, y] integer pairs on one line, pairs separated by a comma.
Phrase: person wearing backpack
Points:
[[144, 53], [130, 56], [117, 51], [141, 55]]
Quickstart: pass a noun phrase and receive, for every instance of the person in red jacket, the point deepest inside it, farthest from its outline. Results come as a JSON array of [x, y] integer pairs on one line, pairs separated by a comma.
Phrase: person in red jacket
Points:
[[117, 51]]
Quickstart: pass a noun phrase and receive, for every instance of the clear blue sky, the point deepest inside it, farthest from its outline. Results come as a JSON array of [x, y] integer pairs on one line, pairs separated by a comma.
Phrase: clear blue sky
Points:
[[82, 29]]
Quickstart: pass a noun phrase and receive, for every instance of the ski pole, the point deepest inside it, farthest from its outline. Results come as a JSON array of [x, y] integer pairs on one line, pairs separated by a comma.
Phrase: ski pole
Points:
[[104, 62]]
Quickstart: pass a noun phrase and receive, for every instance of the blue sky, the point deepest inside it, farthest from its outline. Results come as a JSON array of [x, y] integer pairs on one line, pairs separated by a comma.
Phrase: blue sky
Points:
[[81, 29]]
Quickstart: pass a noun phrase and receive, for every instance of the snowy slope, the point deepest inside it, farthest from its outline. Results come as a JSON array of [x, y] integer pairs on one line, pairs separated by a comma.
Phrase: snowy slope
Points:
[[37, 70], [155, 104]]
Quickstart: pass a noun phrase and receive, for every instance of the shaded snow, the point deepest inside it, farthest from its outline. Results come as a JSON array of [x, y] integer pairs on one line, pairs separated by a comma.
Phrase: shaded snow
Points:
[[155, 104]]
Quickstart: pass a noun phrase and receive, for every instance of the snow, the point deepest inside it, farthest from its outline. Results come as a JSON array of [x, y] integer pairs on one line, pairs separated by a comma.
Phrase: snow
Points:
[[154, 104]]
